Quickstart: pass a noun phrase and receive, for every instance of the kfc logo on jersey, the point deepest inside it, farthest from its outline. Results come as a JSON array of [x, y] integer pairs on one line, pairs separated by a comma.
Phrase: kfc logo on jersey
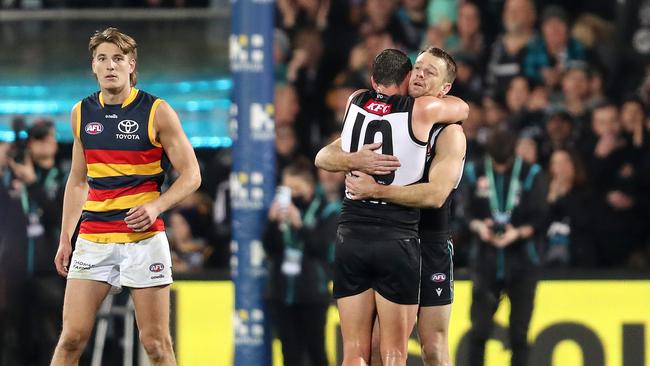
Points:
[[94, 128], [247, 52], [376, 107]]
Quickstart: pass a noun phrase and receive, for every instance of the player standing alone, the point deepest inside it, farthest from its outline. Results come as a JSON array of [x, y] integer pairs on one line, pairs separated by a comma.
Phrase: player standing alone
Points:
[[124, 140]]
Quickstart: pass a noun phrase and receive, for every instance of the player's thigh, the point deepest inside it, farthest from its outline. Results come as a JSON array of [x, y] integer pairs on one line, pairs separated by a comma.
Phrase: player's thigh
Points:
[[433, 323], [80, 305], [152, 309], [357, 314], [397, 321], [396, 269]]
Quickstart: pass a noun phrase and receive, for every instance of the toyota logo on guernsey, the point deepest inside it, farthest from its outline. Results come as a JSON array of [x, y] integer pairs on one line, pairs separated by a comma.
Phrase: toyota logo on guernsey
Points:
[[94, 128], [128, 128]]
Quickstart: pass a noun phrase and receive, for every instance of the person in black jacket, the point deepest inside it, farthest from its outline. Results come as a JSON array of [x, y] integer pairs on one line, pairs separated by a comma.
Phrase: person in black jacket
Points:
[[506, 209], [37, 182], [299, 243]]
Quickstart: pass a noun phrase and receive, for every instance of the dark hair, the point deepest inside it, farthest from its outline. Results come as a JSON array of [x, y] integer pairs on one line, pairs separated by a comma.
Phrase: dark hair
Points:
[[501, 145], [390, 67], [449, 61], [300, 167], [40, 129], [579, 170]]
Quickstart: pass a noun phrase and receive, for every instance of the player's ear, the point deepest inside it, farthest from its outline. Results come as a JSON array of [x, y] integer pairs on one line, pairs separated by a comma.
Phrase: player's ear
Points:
[[132, 63], [373, 83], [446, 87]]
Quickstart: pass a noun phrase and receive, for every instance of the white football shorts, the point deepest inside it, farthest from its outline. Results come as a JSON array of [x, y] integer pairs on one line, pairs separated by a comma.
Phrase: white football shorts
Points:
[[146, 263]]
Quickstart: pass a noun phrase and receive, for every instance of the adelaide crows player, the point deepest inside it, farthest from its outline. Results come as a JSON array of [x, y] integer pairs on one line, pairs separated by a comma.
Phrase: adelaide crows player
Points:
[[377, 265], [124, 140]]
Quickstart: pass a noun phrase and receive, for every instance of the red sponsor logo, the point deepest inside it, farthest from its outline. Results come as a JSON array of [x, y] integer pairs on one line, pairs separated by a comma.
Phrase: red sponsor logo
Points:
[[156, 267], [376, 107], [94, 128]]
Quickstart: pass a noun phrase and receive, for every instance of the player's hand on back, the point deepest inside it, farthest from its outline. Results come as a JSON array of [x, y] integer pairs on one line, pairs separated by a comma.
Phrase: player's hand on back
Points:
[[140, 218], [62, 258], [360, 186], [369, 161]]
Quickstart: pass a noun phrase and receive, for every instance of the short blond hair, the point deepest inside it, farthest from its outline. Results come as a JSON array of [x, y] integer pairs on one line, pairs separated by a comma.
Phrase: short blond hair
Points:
[[123, 41]]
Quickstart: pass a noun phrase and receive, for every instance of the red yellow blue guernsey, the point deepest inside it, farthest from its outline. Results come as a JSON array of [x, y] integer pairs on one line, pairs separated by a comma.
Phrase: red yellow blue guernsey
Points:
[[126, 165]]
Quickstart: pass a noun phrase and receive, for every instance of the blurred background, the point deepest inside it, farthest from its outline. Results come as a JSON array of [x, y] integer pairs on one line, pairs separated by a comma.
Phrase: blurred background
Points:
[[570, 79]]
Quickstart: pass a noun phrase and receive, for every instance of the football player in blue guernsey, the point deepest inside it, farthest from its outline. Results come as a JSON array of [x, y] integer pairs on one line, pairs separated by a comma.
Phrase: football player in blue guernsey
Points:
[[124, 141], [377, 264]]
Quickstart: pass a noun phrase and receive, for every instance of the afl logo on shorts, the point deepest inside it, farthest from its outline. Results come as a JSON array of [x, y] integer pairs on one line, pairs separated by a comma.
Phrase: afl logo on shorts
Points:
[[94, 128], [438, 277], [156, 267]]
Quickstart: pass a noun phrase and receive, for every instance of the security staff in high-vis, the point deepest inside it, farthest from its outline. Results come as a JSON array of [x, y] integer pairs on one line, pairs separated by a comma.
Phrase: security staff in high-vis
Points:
[[506, 209]]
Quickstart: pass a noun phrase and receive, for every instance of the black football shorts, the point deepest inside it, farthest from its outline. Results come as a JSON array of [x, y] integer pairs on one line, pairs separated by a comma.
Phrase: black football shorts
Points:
[[390, 267], [437, 286]]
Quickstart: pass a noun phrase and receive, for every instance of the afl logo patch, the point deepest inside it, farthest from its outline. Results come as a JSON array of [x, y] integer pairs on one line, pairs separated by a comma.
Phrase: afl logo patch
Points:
[[94, 128], [438, 277], [156, 267], [128, 126]]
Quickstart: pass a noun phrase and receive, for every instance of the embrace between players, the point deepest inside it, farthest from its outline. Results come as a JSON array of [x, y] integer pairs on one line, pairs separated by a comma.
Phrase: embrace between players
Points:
[[404, 150]]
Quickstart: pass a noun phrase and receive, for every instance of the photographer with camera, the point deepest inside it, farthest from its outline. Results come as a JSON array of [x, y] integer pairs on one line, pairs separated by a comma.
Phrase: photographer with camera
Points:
[[506, 210], [36, 182], [299, 244]]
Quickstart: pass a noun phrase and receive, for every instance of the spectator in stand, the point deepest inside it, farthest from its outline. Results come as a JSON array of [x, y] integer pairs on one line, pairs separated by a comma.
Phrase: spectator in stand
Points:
[[286, 147], [472, 127], [281, 52], [306, 72], [468, 84], [296, 14], [287, 106], [569, 239], [558, 134], [527, 149], [520, 118], [632, 122], [381, 16], [39, 183], [299, 241], [468, 40], [189, 251], [5, 175], [508, 52], [412, 17], [345, 84], [610, 161], [575, 94], [550, 55], [495, 111]]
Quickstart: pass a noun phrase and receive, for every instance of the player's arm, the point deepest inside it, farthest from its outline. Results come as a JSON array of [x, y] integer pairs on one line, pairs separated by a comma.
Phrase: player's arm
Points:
[[444, 173], [447, 109], [334, 159], [74, 197], [179, 150]]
